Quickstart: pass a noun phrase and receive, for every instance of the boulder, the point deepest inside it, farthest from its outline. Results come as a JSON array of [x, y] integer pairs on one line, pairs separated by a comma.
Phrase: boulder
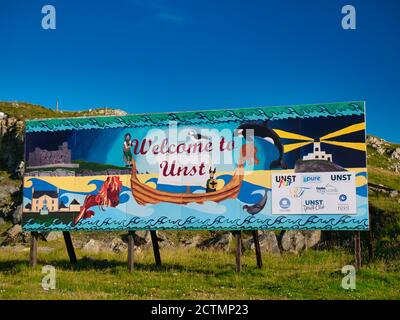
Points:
[[92, 245], [53, 235], [14, 231], [312, 238], [219, 242], [163, 240], [192, 242], [394, 194], [14, 235], [17, 215], [293, 241], [396, 154], [118, 245], [142, 237], [378, 144], [268, 242]]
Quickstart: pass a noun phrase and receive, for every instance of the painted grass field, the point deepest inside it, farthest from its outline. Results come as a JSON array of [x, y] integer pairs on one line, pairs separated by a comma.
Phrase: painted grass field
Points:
[[194, 274]]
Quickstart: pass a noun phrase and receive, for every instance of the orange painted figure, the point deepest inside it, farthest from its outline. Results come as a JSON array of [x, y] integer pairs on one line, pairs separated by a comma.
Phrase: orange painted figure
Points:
[[108, 196], [249, 154]]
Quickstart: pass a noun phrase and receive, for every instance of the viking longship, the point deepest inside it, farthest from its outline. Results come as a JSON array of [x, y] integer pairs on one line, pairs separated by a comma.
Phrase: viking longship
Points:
[[145, 194]]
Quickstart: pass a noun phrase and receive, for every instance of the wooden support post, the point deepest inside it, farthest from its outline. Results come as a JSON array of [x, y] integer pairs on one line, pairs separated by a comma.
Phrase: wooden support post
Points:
[[238, 236], [33, 250], [131, 245], [156, 248], [70, 247], [257, 248], [370, 245], [357, 250]]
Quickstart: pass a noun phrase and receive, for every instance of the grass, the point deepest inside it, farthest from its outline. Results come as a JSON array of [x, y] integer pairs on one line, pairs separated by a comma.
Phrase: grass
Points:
[[384, 177], [194, 274]]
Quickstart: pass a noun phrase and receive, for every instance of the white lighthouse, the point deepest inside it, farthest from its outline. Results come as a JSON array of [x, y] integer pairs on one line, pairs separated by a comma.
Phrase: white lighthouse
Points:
[[318, 154]]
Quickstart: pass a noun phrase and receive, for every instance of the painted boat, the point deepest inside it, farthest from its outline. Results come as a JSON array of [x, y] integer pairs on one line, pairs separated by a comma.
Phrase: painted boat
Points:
[[144, 194]]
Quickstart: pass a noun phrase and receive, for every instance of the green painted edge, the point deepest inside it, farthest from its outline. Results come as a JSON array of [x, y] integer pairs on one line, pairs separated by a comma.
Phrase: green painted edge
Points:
[[197, 117]]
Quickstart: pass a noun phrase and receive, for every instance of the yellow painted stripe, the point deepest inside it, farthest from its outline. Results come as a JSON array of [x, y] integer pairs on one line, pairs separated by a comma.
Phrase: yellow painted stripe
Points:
[[294, 146], [290, 135], [352, 145], [349, 129], [257, 177]]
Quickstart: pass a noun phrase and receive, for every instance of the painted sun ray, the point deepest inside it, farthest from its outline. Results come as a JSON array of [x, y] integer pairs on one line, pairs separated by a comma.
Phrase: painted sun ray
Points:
[[350, 129], [293, 146], [352, 145], [290, 135]]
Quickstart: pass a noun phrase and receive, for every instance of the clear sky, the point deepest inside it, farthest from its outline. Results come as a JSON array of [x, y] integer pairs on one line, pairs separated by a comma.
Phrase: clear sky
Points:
[[158, 56]]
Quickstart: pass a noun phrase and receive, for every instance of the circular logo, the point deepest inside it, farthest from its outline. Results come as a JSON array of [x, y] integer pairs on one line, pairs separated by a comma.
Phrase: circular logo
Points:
[[342, 197], [284, 203]]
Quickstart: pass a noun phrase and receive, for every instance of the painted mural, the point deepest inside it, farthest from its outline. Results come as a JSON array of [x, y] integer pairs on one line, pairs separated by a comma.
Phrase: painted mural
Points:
[[209, 170]]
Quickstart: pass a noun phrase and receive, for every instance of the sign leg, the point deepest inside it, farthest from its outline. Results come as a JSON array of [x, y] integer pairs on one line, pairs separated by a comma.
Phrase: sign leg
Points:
[[33, 249], [238, 235], [370, 245], [357, 250], [156, 249], [70, 247], [257, 248], [131, 246]]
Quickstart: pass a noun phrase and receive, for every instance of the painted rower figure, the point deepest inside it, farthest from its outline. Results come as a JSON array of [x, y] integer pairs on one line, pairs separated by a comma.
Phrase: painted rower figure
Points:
[[212, 183]]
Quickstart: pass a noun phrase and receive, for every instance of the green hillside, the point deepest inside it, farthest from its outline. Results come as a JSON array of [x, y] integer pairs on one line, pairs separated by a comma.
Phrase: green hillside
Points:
[[383, 160], [23, 110]]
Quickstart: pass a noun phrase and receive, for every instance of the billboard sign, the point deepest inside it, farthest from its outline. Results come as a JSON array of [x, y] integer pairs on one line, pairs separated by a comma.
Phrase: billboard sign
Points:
[[294, 167]]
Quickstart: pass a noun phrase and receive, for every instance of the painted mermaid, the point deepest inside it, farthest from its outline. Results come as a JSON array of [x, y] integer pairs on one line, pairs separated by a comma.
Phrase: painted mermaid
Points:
[[108, 196]]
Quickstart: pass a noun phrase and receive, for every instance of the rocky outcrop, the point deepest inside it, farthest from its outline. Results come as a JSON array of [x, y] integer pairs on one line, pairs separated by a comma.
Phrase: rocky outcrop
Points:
[[396, 154], [221, 241], [52, 236], [316, 166], [11, 143], [192, 242], [378, 144], [390, 151], [268, 242], [96, 246], [14, 235], [296, 241], [10, 199]]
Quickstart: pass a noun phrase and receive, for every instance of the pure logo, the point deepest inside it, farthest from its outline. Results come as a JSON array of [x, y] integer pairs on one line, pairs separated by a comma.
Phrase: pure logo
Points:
[[342, 197], [311, 179]]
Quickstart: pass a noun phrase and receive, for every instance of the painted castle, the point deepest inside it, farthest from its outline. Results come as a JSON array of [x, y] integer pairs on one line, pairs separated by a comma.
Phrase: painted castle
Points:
[[44, 158]]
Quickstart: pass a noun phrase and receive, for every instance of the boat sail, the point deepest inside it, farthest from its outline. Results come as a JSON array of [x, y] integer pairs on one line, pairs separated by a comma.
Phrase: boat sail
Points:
[[144, 194]]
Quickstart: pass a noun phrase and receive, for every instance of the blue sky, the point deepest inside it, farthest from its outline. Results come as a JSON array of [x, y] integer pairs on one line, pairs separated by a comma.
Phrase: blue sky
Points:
[[157, 56]]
